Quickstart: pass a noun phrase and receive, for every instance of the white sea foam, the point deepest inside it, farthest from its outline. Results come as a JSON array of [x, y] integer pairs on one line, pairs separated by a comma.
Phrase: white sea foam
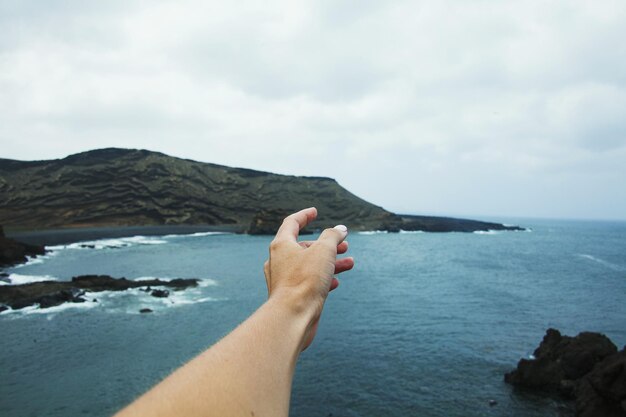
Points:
[[89, 304], [372, 232], [197, 234], [51, 311], [411, 231], [602, 262], [17, 279], [135, 299], [129, 301], [202, 282], [111, 243], [31, 260], [146, 278], [207, 282], [487, 232]]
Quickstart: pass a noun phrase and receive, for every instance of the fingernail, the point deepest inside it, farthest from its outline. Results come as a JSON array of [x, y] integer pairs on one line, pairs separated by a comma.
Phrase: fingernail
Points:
[[341, 228]]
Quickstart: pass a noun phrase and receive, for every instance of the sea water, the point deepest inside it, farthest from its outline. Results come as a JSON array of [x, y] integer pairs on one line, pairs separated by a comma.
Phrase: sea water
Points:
[[425, 325]]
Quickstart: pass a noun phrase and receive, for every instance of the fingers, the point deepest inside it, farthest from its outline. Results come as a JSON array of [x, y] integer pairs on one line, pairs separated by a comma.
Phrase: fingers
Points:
[[293, 223], [344, 264], [341, 248], [333, 284], [333, 237]]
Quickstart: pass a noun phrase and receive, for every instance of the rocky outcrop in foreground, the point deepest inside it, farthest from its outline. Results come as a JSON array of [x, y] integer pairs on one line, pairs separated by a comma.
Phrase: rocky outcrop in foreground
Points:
[[52, 293], [587, 368], [13, 252]]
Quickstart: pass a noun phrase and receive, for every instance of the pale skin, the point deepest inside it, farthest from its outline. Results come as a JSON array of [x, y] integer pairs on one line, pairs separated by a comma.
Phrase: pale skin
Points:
[[249, 372]]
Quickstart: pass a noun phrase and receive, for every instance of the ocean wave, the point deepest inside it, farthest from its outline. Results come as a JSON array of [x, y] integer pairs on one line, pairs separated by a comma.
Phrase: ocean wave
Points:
[[50, 311], [411, 231], [487, 232], [602, 262], [133, 300], [202, 282], [197, 234], [373, 232], [111, 243], [17, 279], [130, 301], [34, 260]]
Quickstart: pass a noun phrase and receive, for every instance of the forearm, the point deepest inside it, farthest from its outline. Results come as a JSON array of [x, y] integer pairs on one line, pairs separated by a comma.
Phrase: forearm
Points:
[[248, 373]]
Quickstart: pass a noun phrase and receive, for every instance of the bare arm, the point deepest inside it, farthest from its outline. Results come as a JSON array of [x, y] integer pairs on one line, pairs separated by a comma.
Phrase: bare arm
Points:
[[249, 372]]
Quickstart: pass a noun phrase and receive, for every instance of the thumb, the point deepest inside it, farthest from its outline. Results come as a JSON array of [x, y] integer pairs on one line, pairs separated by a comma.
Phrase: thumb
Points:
[[333, 236]]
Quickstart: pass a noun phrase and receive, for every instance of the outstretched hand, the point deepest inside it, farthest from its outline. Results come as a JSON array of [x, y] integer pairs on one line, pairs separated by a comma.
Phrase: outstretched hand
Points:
[[250, 371], [302, 274]]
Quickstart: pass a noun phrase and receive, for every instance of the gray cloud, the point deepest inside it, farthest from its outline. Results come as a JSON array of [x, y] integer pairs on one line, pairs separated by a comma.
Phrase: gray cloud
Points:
[[478, 107]]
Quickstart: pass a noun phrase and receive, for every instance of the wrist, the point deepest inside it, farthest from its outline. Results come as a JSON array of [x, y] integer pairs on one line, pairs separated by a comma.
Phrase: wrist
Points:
[[295, 304], [300, 313]]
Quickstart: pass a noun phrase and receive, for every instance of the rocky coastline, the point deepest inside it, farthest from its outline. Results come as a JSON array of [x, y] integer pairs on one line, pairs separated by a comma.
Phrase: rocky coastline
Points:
[[267, 222], [13, 252], [108, 188], [587, 369], [47, 294]]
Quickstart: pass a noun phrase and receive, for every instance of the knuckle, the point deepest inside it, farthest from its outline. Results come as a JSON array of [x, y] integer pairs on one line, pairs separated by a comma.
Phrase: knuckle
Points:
[[276, 245]]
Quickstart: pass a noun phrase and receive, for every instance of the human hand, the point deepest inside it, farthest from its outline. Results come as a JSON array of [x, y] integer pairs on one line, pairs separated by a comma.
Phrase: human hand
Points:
[[301, 274]]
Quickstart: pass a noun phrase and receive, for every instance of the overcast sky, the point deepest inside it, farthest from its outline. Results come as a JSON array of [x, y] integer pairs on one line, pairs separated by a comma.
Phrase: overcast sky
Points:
[[475, 108]]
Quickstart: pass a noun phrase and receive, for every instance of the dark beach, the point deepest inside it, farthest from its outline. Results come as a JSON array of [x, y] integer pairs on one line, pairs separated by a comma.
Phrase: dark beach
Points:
[[50, 237]]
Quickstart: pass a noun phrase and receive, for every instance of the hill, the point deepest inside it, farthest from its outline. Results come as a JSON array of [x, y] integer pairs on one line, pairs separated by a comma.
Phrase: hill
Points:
[[128, 187]]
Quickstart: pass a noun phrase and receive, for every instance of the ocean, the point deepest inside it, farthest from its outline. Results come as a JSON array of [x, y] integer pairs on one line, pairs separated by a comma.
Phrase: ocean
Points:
[[425, 325]]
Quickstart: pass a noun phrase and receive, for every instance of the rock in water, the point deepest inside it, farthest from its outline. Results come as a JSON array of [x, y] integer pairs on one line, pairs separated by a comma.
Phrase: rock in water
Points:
[[602, 392], [13, 252], [586, 367], [559, 360], [51, 293], [71, 295], [145, 310], [160, 293]]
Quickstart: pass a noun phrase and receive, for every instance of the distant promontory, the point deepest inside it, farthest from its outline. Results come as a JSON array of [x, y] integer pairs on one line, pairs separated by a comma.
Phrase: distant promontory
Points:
[[126, 187]]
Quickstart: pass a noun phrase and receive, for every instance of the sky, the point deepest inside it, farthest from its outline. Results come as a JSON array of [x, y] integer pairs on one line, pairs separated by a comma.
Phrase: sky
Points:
[[448, 107]]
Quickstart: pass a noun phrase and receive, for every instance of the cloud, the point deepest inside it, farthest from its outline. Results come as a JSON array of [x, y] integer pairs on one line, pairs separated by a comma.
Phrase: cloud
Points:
[[453, 99]]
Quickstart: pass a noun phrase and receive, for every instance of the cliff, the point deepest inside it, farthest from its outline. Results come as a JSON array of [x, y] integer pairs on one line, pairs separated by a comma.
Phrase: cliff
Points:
[[127, 187]]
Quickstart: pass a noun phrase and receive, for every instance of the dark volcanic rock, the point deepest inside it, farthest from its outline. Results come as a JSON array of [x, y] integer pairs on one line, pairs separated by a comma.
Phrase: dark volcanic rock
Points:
[[160, 293], [13, 252], [72, 295], [586, 367], [128, 187], [267, 222], [559, 360], [145, 310], [602, 392], [51, 293], [443, 224]]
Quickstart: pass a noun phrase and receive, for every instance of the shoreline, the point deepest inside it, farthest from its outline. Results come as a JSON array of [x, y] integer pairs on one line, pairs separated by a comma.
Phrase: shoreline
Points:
[[62, 236]]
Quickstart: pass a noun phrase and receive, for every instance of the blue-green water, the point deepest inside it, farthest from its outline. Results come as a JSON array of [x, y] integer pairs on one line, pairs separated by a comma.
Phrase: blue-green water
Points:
[[425, 325]]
